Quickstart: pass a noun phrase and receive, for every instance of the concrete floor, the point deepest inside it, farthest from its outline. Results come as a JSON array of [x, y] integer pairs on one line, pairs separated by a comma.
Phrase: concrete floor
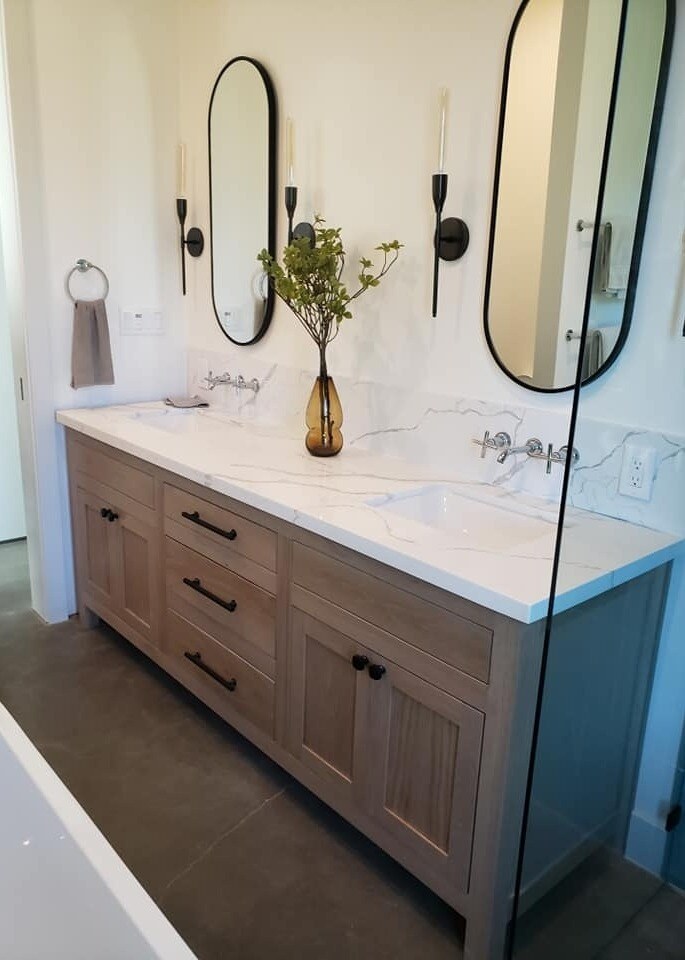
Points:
[[244, 861]]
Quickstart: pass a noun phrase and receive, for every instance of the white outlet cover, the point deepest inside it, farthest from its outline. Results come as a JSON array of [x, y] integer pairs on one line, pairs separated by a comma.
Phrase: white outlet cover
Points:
[[145, 322], [637, 472]]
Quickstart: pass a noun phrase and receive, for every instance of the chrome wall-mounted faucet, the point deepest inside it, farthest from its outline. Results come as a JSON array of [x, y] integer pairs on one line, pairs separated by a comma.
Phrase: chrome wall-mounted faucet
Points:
[[532, 448], [239, 382]]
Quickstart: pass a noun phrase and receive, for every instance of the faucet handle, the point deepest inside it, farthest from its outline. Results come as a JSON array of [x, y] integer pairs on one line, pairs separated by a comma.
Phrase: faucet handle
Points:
[[501, 441], [484, 443]]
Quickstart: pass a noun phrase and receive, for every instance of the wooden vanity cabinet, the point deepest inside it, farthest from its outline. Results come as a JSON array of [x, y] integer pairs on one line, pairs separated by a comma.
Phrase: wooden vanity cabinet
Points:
[[403, 752], [116, 547], [408, 710]]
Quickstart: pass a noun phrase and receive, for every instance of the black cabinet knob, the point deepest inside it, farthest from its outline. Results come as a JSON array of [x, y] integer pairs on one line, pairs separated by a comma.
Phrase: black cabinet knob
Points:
[[104, 513], [112, 516], [359, 661], [376, 671]]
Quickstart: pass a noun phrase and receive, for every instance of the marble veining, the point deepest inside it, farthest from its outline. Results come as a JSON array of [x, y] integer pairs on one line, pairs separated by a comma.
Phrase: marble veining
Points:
[[345, 499], [436, 430]]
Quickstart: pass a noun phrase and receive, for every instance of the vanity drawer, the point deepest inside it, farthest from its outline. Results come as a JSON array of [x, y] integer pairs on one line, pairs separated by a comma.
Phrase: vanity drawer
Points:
[[225, 680], [236, 613], [113, 469], [226, 537], [440, 632]]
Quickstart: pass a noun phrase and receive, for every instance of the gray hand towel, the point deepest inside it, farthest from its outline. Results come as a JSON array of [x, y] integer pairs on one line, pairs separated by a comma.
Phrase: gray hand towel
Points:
[[91, 354]]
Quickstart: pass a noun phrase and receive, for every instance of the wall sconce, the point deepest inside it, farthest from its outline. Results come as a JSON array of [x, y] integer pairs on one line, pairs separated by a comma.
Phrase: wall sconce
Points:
[[194, 242], [451, 238], [302, 229]]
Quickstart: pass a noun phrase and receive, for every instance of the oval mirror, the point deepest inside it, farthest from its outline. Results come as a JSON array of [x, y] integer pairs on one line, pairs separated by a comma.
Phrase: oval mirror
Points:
[[584, 84], [242, 194]]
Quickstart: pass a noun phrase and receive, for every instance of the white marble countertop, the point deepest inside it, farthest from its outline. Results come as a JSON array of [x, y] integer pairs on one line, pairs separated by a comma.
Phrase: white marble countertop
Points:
[[498, 553]]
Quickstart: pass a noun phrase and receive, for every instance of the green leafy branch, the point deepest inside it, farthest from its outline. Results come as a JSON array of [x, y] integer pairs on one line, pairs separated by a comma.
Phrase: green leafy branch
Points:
[[310, 280]]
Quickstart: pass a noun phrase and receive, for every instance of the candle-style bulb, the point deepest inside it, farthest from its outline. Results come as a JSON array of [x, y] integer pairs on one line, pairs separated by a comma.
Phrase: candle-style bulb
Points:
[[181, 170], [443, 123], [289, 153]]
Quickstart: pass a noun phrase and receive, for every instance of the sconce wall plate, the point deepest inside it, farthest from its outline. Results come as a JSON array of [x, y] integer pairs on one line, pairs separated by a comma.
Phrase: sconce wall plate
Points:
[[454, 239]]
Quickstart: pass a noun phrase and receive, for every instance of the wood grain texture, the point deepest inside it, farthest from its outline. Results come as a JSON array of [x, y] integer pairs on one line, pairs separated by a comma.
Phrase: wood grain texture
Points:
[[251, 627], [427, 626], [406, 655], [255, 542], [95, 551], [422, 754], [134, 478], [136, 574], [324, 700], [426, 777], [253, 697]]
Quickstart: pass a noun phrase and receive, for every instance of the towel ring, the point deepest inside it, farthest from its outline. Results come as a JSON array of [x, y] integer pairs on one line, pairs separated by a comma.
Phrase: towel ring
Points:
[[83, 266]]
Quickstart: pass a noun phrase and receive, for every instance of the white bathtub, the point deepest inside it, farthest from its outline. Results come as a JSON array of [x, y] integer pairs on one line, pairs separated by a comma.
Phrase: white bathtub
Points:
[[64, 892]]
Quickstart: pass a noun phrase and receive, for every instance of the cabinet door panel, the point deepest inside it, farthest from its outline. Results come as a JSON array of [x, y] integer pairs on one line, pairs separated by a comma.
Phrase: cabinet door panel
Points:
[[427, 772], [95, 551], [138, 560], [327, 701]]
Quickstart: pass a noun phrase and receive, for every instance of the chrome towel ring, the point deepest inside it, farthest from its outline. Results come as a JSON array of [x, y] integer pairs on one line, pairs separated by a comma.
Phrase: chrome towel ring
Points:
[[83, 266]]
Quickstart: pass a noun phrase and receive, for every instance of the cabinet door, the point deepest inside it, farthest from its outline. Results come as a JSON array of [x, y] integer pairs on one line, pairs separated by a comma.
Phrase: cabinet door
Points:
[[137, 568], [425, 770], [328, 701], [95, 552]]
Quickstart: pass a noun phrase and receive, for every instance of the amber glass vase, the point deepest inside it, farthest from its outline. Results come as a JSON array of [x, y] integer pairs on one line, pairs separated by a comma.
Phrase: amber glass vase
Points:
[[324, 415]]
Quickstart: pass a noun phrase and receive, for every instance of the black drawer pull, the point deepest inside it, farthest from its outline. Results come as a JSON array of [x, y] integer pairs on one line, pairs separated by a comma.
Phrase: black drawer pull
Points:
[[108, 514], [196, 658], [195, 517], [376, 671], [196, 585], [360, 662]]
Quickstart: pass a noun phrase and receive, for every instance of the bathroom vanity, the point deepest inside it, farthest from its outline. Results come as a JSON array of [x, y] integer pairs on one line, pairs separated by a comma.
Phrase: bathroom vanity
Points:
[[385, 664]]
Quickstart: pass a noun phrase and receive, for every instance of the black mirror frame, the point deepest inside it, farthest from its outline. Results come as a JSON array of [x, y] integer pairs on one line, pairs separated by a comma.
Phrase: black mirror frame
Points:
[[271, 199], [643, 207]]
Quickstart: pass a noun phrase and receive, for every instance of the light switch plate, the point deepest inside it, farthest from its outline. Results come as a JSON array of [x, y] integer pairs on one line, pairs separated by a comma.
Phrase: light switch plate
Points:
[[637, 472], [146, 322]]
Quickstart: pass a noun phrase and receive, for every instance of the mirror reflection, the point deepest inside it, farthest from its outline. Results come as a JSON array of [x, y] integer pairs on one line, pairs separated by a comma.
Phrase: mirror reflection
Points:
[[241, 169], [562, 66]]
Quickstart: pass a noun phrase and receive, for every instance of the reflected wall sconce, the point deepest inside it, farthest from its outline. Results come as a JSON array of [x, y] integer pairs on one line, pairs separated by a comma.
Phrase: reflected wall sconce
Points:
[[451, 238], [194, 241], [302, 229]]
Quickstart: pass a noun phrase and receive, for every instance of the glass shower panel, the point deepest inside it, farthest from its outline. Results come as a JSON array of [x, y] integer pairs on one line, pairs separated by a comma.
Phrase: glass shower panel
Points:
[[602, 867]]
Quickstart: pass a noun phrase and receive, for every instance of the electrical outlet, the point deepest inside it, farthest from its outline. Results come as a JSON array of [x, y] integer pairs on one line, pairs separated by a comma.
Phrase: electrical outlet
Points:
[[637, 472]]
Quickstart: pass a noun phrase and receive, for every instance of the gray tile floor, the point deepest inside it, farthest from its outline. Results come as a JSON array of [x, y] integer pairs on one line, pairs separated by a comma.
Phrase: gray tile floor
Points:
[[245, 862]]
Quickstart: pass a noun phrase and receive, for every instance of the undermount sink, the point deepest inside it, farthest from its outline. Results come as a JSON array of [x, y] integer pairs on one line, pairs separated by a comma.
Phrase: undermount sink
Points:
[[481, 525], [176, 421]]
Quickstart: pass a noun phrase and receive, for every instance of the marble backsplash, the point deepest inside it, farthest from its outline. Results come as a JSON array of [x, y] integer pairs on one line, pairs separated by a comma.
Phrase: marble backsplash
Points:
[[437, 431]]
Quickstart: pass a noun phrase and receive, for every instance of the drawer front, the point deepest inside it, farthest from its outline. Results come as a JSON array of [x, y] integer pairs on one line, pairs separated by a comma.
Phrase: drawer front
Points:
[[220, 534], [443, 634], [114, 470], [238, 614], [228, 681]]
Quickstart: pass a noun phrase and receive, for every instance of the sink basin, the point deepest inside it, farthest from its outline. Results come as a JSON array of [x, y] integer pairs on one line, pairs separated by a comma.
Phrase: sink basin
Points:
[[481, 525], [178, 421]]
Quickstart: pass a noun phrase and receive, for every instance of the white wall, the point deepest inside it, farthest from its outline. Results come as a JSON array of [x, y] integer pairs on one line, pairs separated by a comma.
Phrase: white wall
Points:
[[12, 521], [94, 104], [362, 83]]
